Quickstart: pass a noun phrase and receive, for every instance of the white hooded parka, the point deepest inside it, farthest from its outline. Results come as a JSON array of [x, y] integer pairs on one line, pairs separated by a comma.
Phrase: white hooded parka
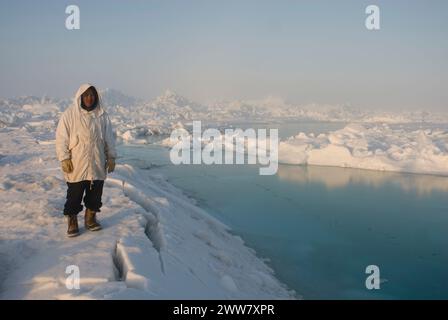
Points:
[[86, 138]]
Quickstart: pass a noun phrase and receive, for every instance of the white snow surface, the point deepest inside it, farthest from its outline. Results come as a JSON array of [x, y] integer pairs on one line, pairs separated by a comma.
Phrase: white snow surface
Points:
[[155, 244], [136, 120], [357, 145], [375, 147]]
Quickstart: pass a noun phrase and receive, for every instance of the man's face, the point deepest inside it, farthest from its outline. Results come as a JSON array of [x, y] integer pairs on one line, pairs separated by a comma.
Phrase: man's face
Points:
[[88, 98]]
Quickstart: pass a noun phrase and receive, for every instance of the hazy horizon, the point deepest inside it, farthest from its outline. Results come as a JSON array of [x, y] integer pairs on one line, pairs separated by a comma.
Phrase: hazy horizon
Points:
[[301, 51]]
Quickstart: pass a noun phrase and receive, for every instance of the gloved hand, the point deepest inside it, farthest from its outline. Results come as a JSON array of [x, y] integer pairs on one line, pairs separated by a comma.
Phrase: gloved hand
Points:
[[67, 165], [110, 165]]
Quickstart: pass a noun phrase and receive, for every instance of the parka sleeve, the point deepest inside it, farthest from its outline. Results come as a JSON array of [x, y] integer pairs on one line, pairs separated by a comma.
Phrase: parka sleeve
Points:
[[63, 139], [111, 151]]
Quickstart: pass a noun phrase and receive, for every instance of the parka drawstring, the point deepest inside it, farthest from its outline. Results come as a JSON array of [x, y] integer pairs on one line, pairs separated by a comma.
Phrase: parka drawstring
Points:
[[91, 184]]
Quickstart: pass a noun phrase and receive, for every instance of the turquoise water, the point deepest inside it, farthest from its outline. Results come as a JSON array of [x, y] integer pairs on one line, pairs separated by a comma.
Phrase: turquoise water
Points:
[[320, 227]]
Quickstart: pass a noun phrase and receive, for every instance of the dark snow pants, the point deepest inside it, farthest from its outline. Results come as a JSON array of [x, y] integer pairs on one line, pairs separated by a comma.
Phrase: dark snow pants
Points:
[[92, 197]]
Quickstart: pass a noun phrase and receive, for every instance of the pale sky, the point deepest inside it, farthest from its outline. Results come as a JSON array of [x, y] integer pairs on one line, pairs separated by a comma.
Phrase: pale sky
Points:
[[303, 51]]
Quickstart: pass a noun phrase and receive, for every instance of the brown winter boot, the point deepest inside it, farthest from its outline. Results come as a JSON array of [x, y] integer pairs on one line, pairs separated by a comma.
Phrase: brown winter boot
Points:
[[90, 221], [72, 230]]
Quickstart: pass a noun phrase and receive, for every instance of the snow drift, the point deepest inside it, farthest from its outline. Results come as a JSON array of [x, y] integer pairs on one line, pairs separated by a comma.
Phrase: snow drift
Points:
[[156, 244], [371, 147]]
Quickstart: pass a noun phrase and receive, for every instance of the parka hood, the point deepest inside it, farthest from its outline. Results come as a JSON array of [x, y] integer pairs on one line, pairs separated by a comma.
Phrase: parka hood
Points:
[[83, 88]]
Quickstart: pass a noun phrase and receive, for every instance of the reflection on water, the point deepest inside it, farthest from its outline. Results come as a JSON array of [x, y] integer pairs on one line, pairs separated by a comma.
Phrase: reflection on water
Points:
[[335, 177], [321, 226]]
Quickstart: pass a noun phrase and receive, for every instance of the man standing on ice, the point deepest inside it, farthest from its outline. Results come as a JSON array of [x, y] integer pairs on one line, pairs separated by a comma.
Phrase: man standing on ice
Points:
[[85, 146]]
